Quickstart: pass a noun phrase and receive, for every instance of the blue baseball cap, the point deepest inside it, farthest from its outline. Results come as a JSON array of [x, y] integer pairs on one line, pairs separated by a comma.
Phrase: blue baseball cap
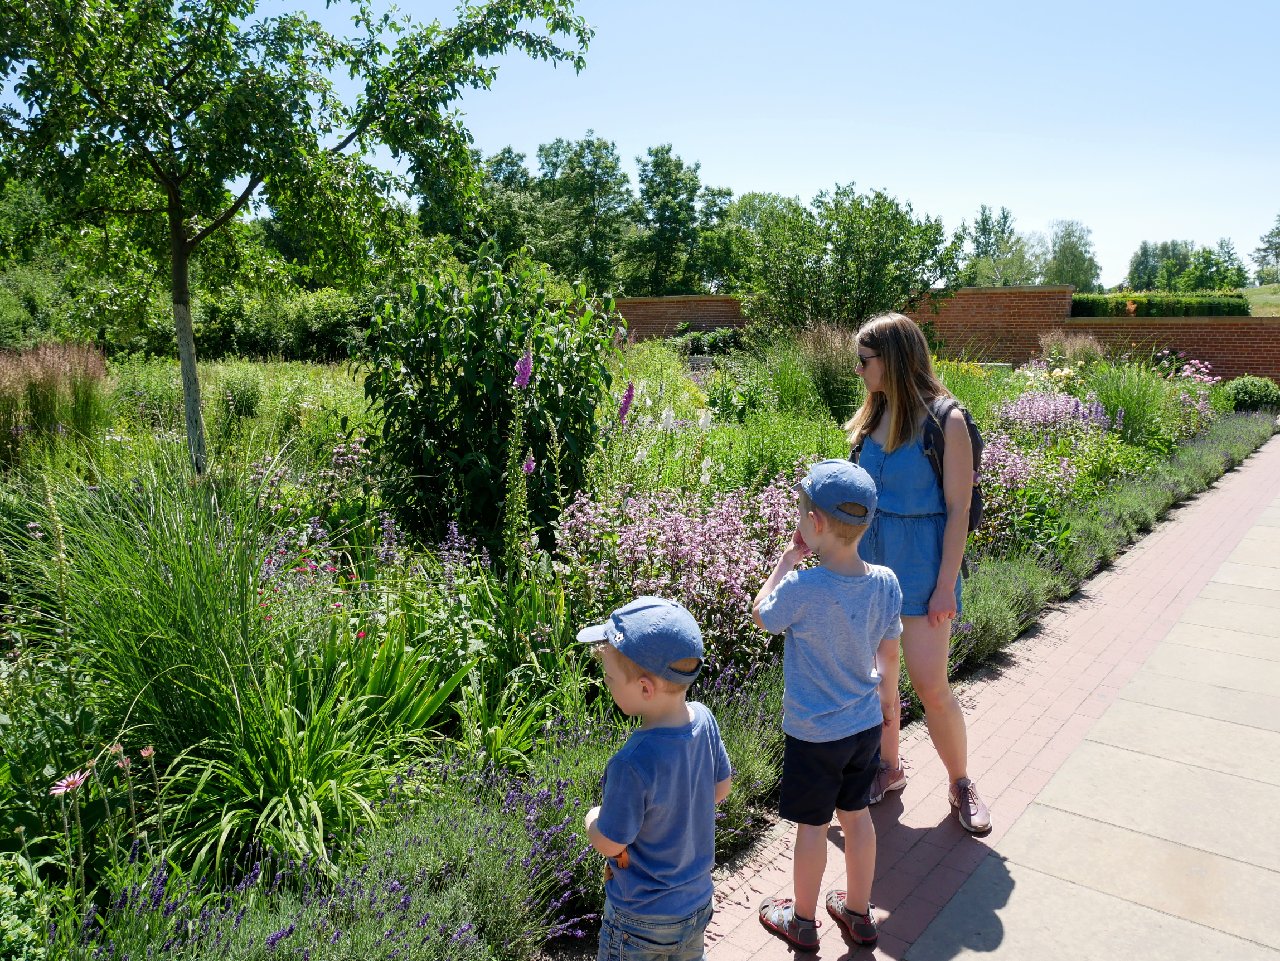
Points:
[[653, 632], [833, 482]]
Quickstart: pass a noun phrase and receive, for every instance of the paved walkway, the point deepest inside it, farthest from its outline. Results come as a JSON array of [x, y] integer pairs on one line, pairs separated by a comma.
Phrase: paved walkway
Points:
[[1130, 751]]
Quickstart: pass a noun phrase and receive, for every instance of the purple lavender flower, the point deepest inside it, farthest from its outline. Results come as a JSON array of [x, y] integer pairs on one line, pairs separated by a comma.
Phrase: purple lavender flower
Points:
[[524, 370]]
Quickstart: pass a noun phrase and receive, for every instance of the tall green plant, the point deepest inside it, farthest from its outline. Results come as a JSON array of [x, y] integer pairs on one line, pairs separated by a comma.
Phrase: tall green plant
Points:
[[442, 372]]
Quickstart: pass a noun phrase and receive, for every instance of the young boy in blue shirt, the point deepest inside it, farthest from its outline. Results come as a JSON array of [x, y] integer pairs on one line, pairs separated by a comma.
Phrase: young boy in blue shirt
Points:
[[834, 617], [656, 822]]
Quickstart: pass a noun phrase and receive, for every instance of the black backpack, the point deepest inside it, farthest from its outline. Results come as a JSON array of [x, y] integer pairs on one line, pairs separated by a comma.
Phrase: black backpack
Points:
[[935, 445]]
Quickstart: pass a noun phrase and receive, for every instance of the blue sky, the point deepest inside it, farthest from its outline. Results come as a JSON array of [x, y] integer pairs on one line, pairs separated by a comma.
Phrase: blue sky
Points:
[[1143, 120]]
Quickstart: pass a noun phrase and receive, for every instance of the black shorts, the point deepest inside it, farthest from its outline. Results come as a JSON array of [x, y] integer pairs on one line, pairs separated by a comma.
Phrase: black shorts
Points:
[[819, 778]]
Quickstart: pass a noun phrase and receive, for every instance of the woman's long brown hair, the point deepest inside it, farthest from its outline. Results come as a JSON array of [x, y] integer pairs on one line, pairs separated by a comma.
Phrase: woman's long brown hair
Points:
[[907, 384]]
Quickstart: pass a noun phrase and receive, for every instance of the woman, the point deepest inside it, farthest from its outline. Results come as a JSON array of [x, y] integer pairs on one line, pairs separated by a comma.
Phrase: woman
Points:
[[919, 532]]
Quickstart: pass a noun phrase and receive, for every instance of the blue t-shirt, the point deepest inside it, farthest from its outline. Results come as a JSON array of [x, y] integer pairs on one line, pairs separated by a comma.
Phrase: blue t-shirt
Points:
[[660, 801], [833, 624]]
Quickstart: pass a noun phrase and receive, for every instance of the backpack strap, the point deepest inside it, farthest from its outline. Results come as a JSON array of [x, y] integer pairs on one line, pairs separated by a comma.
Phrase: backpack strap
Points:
[[935, 441]]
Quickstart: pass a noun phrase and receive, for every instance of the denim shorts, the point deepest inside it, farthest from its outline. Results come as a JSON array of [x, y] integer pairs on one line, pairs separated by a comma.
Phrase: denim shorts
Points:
[[636, 937], [911, 547]]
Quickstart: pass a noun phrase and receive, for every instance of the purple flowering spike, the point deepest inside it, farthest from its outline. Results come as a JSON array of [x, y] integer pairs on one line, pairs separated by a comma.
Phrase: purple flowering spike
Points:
[[625, 407], [524, 370], [529, 465]]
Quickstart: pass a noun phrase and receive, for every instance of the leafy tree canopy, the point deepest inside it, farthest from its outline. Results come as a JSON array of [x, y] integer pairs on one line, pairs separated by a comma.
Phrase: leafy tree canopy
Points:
[[996, 255], [1267, 256], [186, 114], [1070, 258], [846, 258], [1180, 266]]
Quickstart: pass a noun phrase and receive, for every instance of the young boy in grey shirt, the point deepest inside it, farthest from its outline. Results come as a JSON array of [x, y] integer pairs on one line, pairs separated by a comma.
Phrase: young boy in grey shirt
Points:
[[834, 617]]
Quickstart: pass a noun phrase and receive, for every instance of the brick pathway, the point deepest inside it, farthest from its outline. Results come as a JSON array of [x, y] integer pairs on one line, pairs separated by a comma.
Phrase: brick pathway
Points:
[[1027, 713]]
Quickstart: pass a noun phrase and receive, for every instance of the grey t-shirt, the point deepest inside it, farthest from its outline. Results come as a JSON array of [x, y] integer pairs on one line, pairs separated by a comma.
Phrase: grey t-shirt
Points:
[[833, 624]]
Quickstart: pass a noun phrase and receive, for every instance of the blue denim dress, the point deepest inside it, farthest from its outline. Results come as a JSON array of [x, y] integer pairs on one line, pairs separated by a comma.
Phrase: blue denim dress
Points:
[[906, 532]]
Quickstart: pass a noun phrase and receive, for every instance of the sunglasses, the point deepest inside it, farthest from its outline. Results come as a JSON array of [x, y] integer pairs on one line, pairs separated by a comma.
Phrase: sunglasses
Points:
[[863, 358]]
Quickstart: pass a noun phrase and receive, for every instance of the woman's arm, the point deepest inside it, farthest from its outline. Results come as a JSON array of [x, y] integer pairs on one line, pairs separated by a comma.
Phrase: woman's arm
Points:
[[957, 492]]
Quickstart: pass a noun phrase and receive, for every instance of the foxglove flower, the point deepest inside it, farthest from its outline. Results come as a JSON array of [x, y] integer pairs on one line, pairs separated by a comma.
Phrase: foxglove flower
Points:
[[524, 370], [627, 398]]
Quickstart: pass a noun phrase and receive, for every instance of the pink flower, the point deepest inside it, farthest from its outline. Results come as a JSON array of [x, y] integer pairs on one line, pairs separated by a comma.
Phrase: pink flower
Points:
[[69, 783], [360, 635], [147, 751], [117, 748], [124, 763], [524, 370]]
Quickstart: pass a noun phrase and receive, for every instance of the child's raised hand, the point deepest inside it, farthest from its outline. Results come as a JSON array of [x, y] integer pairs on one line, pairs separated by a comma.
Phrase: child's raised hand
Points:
[[799, 546]]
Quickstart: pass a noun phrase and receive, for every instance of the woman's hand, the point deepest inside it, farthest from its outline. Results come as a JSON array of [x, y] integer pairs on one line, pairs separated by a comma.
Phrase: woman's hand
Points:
[[942, 606]]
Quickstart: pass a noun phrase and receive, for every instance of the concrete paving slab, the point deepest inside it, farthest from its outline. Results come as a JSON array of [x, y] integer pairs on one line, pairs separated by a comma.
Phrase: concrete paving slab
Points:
[[1196, 886], [1170, 800], [1249, 575], [1010, 911], [1269, 518], [1187, 738], [1258, 553], [1195, 697], [1227, 641], [1263, 535], [1211, 612], [1216, 668], [1236, 593]]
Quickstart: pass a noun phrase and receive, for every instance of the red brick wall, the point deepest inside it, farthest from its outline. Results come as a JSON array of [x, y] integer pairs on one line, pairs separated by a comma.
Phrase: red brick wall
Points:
[[660, 316], [1005, 324], [1232, 345], [998, 323]]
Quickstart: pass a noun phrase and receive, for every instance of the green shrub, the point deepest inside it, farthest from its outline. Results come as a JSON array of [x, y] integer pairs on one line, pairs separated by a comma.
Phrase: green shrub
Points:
[[707, 343], [1159, 305], [1147, 400], [440, 371], [1252, 393]]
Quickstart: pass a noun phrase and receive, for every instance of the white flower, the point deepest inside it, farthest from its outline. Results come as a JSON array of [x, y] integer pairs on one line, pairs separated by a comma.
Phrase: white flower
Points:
[[641, 454], [704, 418], [668, 419]]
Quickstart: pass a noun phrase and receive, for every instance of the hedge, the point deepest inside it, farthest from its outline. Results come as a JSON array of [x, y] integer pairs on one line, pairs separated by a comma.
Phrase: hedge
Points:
[[1159, 305]]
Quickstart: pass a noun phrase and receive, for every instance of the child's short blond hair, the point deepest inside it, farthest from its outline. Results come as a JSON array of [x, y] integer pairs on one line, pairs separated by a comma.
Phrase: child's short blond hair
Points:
[[633, 671], [849, 533]]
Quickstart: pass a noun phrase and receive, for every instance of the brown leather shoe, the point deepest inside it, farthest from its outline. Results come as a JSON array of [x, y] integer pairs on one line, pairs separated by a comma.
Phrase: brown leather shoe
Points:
[[973, 814]]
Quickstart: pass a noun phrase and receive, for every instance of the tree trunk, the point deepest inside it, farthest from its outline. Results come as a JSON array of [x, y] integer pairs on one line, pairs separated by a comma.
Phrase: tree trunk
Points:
[[180, 254]]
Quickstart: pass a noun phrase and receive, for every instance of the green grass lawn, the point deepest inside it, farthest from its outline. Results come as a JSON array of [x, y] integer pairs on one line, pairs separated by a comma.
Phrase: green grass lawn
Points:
[[1264, 301]]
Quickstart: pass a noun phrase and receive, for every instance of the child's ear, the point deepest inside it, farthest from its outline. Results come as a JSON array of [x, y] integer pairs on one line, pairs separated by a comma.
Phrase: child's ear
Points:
[[647, 687], [819, 522]]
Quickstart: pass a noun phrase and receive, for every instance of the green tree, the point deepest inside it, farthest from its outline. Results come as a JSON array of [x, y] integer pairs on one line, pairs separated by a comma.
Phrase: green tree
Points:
[[1213, 269], [516, 213], [847, 258], [587, 177], [1267, 256], [1156, 266], [1070, 259], [995, 254], [187, 114], [782, 243], [659, 251], [719, 257]]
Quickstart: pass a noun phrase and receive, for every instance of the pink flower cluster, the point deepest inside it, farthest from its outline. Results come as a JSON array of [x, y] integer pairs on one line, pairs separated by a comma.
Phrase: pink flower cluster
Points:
[[711, 556]]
